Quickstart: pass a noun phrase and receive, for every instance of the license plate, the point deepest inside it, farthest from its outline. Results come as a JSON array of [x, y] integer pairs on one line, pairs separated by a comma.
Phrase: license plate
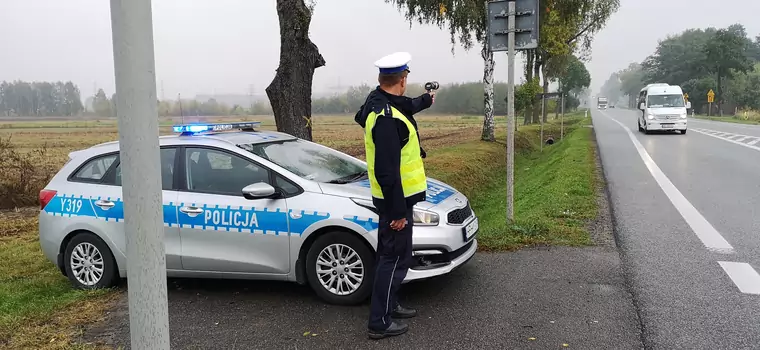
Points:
[[470, 230], [667, 126]]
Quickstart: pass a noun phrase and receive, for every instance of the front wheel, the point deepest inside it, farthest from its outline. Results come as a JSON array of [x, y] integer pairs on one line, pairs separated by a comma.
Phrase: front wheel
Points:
[[89, 263], [340, 268], [683, 132]]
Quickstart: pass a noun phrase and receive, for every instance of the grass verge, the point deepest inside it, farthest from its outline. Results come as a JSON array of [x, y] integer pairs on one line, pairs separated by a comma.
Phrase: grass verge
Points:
[[38, 307], [555, 190]]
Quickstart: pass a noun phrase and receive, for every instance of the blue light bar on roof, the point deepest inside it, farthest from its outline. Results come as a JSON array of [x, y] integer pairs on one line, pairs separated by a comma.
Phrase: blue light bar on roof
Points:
[[198, 128]]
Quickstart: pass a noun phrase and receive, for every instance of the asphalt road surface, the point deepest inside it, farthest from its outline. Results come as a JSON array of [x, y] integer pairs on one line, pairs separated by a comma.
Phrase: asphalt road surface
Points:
[[685, 214], [539, 298]]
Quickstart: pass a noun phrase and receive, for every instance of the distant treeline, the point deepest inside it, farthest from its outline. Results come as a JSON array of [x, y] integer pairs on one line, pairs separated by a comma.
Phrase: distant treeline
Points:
[[21, 98], [63, 99]]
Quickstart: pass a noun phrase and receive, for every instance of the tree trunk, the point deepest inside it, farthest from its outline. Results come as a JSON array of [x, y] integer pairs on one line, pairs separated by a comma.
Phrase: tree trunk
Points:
[[529, 78], [290, 90], [545, 91], [488, 122]]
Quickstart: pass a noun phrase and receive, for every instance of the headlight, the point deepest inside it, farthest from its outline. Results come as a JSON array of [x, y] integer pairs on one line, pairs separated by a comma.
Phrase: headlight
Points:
[[650, 116], [683, 116], [425, 218], [421, 217]]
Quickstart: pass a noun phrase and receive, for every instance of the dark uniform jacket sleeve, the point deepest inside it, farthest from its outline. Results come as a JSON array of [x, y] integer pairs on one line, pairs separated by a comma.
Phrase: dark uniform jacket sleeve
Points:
[[388, 166]]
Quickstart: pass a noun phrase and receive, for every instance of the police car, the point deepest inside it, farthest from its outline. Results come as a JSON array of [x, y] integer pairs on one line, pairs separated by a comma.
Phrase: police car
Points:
[[242, 203]]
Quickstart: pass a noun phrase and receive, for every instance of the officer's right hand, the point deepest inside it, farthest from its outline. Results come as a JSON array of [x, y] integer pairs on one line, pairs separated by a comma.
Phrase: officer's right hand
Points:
[[398, 225]]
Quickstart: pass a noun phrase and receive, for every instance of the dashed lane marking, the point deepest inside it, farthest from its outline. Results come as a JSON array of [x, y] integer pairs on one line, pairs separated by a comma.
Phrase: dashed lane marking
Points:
[[744, 276], [743, 140]]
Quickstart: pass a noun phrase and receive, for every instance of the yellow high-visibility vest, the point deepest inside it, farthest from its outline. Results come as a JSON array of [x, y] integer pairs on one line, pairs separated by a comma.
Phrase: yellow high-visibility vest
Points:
[[413, 179]]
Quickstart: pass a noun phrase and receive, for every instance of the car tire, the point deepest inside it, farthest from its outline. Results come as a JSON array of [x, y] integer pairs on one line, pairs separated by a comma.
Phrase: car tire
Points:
[[94, 255], [639, 124], [646, 130], [320, 282]]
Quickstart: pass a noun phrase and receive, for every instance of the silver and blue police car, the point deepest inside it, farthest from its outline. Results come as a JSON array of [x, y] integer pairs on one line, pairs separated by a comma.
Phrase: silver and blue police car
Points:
[[242, 203]]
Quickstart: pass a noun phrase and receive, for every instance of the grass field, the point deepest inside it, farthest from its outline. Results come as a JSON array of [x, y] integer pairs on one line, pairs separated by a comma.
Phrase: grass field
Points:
[[555, 198], [738, 119]]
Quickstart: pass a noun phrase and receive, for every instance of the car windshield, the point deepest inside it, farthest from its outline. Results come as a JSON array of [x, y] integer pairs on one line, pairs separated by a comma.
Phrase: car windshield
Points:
[[665, 101], [310, 161]]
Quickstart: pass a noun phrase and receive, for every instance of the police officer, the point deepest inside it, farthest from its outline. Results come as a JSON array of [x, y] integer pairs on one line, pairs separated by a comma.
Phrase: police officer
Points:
[[397, 181]]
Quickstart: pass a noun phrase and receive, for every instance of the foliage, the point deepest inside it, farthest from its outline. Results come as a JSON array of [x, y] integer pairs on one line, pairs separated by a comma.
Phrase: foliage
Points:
[[611, 89], [21, 98], [575, 77], [465, 19], [700, 60], [22, 175]]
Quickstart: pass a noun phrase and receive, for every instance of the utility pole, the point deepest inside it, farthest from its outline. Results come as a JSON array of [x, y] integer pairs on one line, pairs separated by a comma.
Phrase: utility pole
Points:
[[511, 113], [520, 33], [134, 67], [562, 117]]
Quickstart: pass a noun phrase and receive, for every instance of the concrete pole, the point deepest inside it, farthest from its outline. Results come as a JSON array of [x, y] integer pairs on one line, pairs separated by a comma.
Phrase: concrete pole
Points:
[[562, 119], [137, 112], [511, 114]]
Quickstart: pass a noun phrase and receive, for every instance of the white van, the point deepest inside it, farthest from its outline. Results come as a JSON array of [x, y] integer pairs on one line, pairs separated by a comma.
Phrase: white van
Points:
[[663, 108]]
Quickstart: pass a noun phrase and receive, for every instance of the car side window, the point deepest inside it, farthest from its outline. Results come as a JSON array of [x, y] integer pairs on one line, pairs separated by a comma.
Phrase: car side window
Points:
[[215, 171], [95, 169], [167, 170], [286, 186]]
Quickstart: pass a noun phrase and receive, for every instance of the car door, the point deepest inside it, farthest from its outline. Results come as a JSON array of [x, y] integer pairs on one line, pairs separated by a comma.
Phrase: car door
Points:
[[95, 191], [169, 175], [221, 230]]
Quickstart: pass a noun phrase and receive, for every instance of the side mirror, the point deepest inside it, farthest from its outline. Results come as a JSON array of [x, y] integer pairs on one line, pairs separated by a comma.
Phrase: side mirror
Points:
[[258, 190], [642, 106], [688, 105]]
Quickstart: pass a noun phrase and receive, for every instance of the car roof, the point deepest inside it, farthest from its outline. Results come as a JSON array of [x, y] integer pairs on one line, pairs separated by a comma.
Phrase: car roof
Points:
[[209, 139]]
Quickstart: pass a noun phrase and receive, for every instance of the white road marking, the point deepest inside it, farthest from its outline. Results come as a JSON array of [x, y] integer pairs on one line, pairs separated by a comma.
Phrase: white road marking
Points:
[[744, 276], [701, 227], [753, 141], [748, 145], [743, 138]]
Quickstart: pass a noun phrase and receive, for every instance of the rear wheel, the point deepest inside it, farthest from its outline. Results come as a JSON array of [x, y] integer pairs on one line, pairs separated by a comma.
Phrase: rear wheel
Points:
[[340, 268], [89, 263]]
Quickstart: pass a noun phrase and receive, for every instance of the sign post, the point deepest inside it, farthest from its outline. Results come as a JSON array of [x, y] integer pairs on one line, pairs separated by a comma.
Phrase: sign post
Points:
[[137, 112], [520, 32], [710, 99]]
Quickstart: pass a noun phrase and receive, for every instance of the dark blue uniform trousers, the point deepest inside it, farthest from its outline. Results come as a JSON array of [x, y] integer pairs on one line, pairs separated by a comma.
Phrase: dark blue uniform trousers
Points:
[[394, 257]]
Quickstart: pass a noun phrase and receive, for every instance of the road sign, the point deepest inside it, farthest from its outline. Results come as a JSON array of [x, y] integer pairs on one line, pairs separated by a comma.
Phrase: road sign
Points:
[[526, 24], [686, 96], [711, 96]]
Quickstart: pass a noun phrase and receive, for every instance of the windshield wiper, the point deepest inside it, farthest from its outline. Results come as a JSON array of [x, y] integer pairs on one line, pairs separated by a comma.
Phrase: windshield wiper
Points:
[[349, 178]]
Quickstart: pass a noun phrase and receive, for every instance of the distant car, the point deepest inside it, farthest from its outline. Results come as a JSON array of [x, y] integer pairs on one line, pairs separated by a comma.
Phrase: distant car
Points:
[[612, 106], [246, 204]]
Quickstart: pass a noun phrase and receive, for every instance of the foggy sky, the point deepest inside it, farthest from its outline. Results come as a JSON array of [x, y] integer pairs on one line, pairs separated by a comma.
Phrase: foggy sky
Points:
[[225, 46]]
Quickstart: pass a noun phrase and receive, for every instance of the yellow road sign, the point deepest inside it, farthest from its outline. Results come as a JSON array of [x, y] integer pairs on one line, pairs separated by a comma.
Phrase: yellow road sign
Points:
[[441, 8], [710, 96]]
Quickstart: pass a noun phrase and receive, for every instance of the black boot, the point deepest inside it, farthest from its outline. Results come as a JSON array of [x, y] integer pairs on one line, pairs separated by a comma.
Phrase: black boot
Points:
[[402, 312], [393, 330]]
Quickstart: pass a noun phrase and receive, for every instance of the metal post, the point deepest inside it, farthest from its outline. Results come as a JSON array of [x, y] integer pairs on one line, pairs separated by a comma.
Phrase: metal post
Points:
[[562, 119], [543, 102], [132, 29], [511, 114]]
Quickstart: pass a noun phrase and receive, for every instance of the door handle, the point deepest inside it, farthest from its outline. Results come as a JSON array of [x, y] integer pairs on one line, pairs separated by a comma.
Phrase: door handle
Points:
[[192, 211], [104, 204]]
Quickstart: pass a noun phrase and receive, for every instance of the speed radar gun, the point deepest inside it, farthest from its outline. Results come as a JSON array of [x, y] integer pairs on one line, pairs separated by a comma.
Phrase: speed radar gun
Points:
[[431, 85]]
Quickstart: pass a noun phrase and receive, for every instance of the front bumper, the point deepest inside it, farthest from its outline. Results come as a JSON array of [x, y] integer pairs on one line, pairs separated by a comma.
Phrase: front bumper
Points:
[[663, 125], [427, 266]]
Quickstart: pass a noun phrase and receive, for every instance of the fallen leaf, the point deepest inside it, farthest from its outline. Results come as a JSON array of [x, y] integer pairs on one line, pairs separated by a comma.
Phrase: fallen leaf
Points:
[[531, 338], [314, 334], [306, 334], [565, 345]]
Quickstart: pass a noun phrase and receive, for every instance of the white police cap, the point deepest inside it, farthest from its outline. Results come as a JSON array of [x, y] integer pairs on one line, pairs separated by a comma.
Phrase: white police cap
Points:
[[394, 63]]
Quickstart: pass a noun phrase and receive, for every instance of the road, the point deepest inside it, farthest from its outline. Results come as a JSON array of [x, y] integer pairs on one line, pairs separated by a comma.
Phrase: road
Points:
[[537, 298], [684, 210]]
